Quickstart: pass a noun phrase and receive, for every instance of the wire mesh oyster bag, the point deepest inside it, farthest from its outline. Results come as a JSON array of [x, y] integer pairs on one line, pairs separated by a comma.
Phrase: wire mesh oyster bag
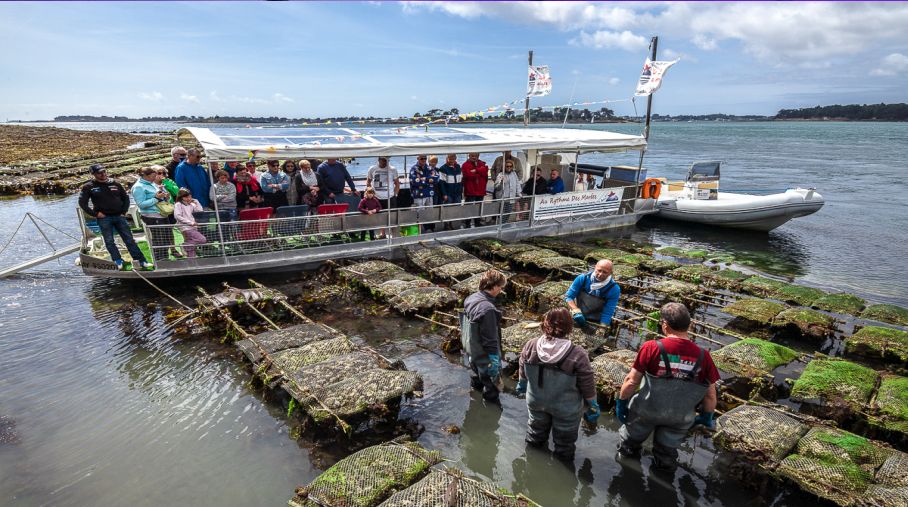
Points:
[[373, 273], [460, 269], [420, 299], [368, 476], [282, 339], [609, 374], [431, 257], [355, 394], [761, 433], [548, 295], [513, 338], [752, 357], [449, 488]]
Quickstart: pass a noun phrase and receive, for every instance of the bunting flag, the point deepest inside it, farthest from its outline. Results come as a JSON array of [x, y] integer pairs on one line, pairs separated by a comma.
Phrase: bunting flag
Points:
[[651, 77], [539, 83]]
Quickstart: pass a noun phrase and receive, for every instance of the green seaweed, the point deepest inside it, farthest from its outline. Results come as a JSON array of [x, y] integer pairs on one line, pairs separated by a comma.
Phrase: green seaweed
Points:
[[840, 303], [880, 342], [760, 311], [890, 314], [762, 286], [832, 380], [800, 295], [892, 403], [633, 259], [622, 272], [725, 278], [604, 253], [680, 253], [721, 259], [809, 322], [659, 265], [691, 272]]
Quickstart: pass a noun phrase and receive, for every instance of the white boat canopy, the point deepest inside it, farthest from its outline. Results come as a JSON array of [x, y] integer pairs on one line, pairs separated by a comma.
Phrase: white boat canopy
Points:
[[223, 144]]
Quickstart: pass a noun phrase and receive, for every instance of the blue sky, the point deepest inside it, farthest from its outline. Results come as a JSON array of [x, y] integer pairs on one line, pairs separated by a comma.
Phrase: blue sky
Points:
[[389, 59]]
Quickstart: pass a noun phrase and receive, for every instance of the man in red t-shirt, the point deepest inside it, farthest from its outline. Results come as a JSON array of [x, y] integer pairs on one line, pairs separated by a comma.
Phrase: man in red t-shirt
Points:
[[679, 376]]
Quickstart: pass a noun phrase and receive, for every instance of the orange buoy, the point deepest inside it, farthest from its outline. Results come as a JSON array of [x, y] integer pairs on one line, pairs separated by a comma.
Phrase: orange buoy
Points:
[[652, 187]]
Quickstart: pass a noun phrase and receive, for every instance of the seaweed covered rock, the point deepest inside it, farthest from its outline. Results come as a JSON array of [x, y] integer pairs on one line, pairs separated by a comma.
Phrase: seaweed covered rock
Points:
[[756, 311], [548, 295], [891, 404], [840, 303], [514, 337], [752, 357], [562, 246], [431, 257], [622, 272], [808, 322], [659, 266], [632, 259], [759, 433], [609, 373], [834, 464], [879, 342], [799, 294], [674, 288], [835, 383], [725, 278], [762, 286], [680, 253], [604, 253], [693, 273], [448, 487], [891, 314], [628, 245], [367, 477]]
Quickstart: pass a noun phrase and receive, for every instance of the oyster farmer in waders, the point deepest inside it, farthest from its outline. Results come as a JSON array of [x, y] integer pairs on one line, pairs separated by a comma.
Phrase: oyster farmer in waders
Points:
[[594, 296], [679, 375], [480, 334], [557, 378]]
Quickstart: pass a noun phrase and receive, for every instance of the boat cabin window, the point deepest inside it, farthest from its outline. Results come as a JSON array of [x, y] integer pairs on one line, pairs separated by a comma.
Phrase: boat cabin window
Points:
[[704, 171]]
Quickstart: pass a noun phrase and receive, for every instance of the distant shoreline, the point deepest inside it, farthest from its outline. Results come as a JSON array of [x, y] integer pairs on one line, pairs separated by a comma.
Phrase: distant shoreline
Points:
[[540, 122]]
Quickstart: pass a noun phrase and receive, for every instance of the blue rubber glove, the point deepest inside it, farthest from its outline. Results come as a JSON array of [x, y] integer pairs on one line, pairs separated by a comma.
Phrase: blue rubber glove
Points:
[[592, 414], [522, 387], [704, 419], [621, 410], [579, 319], [494, 366]]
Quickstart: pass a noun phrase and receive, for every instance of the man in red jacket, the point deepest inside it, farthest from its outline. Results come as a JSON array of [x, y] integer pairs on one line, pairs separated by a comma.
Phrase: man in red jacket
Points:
[[475, 179]]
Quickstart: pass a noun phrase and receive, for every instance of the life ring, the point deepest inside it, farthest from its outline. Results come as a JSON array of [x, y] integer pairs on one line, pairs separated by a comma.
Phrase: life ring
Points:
[[652, 187]]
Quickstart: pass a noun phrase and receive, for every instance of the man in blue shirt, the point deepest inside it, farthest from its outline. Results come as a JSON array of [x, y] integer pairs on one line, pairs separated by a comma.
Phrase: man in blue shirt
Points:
[[556, 184], [274, 185], [192, 176], [594, 296], [331, 178]]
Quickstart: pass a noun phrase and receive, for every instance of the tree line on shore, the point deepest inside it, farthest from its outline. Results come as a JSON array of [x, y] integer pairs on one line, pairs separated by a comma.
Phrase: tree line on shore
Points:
[[857, 112]]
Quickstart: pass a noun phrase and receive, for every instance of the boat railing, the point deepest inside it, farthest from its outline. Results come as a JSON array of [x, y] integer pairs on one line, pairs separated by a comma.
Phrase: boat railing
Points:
[[229, 239]]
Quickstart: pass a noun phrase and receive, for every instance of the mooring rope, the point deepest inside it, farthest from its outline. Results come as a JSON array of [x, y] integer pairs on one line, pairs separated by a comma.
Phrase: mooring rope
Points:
[[139, 274]]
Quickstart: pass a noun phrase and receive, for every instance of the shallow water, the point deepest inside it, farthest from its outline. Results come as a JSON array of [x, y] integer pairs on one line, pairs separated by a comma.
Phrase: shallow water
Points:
[[100, 405]]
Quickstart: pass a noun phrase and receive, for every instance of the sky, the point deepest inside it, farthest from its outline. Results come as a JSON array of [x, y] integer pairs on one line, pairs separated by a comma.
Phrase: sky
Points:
[[389, 59]]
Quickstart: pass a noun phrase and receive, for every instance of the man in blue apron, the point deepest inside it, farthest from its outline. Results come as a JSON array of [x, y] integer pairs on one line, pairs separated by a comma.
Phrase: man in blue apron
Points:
[[480, 334], [678, 375], [594, 296]]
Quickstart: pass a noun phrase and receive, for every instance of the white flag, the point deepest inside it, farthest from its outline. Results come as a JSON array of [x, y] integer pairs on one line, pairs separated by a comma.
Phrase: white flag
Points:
[[651, 77], [540, 82]]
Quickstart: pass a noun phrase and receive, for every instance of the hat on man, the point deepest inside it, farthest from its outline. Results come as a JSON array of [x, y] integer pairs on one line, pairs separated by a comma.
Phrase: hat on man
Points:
[[96, 168]]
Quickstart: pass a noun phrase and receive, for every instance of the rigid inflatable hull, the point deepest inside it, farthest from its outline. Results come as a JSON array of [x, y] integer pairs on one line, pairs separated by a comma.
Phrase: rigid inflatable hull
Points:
[[742, 211]]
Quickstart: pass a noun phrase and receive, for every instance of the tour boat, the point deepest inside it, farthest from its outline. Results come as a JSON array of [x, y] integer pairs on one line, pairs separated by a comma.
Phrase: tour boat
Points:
[[294, 236], [699, 200]]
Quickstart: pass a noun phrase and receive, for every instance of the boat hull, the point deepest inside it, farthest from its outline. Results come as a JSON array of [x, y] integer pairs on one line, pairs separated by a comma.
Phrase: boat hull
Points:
[[742, 211]]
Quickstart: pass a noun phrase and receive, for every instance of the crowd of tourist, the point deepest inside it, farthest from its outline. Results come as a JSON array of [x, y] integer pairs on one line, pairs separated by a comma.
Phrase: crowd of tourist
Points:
[[184, 184]]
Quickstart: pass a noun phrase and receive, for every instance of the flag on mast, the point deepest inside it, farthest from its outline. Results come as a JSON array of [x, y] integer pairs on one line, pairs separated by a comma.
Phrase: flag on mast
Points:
[[651, 77], [539, 83]]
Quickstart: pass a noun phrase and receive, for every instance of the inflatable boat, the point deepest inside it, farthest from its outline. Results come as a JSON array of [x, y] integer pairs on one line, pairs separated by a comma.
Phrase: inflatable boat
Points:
[[699, 200]]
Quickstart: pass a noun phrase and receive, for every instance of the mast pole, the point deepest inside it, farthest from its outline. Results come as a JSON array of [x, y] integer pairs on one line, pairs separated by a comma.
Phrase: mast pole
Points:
[[653, 44], [526, 104]]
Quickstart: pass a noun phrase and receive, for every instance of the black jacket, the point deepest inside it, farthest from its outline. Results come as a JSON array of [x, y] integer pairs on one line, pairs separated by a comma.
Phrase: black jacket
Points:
[[109, 198], [480, 308], [541, 187]]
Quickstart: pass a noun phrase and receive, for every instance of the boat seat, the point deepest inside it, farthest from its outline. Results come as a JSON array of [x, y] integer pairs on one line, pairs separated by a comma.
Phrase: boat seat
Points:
[[255, 230], [301, 210], [350, 200]]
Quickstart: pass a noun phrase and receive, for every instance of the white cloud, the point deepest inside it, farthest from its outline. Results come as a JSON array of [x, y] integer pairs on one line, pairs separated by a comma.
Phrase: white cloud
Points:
[[153, 96], [705, 43], [613, 81], [896, 63], [213, 95], [603, 39], [248, 100], [189, 98], [278, 98]]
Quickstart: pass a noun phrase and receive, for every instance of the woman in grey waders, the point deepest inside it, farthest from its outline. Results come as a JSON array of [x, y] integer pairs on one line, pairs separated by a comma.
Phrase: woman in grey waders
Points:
[[480, 334], [557, 378], [678, 375]]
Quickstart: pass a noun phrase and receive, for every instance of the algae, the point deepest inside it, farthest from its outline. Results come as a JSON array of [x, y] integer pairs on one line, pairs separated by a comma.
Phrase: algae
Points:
[[809, 322], [891, 314], [725, 278], [548, 295], [840, 303], [694, 273], [680, 253], [561, 246], [674, 288], [622, 272], [892, 403], [835, 381], [799, 295], [759, 311], [625, 244], [762, 286], [604, 253], [633, 259], [880, 342], [752, 356], [721, 259], [659, 266]]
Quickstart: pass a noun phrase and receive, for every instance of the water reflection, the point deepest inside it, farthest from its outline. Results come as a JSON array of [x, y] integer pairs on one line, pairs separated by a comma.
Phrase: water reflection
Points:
[[480, 435]]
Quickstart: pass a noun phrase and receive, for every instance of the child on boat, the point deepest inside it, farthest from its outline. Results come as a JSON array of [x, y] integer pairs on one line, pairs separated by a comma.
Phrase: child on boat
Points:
[[182, 211], [369, 205]]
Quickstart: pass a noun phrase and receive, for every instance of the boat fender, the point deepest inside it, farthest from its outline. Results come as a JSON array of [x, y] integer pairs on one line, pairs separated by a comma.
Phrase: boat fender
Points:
[[652, 187]]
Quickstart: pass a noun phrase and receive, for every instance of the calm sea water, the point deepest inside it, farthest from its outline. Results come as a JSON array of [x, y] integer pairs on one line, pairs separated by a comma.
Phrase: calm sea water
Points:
[[99, 405]]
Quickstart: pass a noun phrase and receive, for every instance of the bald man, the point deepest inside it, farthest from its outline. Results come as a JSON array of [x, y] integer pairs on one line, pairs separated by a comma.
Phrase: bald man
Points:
[[594, 296]]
